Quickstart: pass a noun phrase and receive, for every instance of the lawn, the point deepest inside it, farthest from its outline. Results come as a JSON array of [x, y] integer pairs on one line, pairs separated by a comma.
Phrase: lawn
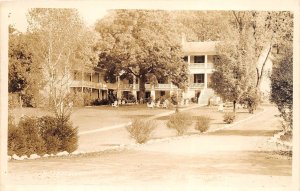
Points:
[[120, 136], [89, 119], [238, 155]]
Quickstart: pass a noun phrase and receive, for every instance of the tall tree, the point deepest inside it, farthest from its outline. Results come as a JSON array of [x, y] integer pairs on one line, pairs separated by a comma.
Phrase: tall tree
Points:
[[271, 32], [282, 88], [62, 44], [144, 44], [24, 77], [234, 77], [263, 31], [202, 25]]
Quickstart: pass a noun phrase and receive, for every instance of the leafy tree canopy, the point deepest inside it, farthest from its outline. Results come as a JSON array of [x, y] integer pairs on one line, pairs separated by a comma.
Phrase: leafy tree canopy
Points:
[[143, 43]]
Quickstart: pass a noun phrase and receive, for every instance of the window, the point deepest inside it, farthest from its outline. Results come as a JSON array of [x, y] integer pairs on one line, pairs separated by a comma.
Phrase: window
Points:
[[185, 59], [161, 81], [199, 59], [131, 80], [198, 78]]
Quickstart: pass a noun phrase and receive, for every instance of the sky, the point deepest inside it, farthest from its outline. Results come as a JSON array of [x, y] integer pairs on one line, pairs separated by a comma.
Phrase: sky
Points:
[[17, 16], [92, 10]]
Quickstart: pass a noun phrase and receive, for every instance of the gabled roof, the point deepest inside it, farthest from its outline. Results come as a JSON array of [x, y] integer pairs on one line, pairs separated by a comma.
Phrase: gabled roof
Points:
[[199, 47]]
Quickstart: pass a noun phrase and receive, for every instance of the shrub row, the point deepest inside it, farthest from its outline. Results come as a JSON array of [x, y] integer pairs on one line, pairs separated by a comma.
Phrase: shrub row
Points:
[[141, 130], [42, 135], [180, 122], [229, 117]]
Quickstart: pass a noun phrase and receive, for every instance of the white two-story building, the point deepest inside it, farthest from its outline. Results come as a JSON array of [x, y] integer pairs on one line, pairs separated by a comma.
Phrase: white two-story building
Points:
[[198, 57]]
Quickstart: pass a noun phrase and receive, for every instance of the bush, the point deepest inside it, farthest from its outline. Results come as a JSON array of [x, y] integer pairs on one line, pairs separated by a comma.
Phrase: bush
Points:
[[251, 100], [34, 142], [141, 130], [104, 102], [229, 117], [41, 135], [99, 101], [202, 123], [87, 99], [194, 100], [77, 99], [58, 135], [174, 99], [180, 122], [28, 100], [13, 100], [131, 98], [16, 139], [24, 138]]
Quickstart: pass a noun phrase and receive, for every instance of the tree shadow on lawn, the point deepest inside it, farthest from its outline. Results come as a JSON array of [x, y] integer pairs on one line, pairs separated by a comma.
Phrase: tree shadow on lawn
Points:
[[245, 132], [193, 118], [136, 116], [126, 107], [272, 163]]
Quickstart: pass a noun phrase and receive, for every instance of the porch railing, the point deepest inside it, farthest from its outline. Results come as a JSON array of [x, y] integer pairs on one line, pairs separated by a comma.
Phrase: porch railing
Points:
[[161, 86], [196, 85], [201, 66], [87, 84]]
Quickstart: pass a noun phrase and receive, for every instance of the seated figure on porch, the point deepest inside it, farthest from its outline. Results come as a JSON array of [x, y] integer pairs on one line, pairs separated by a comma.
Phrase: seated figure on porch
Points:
[[151, 104], [186, 102], [165, 104], [115, 104], [157, 103]]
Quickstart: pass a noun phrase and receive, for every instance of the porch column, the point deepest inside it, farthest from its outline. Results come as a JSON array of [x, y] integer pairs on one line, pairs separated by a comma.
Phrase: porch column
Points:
[[82, 78], [189, 59], [134, 87], [152, 94], [205, 80], [119, 93], [205, 61], [134, 93]]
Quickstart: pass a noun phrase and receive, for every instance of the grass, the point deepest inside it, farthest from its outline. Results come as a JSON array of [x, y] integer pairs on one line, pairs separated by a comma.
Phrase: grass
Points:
[[91, 118]]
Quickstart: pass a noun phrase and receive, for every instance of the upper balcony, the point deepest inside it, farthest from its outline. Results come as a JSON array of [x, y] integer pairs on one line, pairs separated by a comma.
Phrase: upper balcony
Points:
[[121, 86], [162, 87], [196, 85], [86, 84], [201, 66]]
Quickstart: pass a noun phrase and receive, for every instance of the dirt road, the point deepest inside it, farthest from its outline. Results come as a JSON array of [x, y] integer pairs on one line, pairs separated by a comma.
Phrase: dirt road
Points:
[[238, 158]]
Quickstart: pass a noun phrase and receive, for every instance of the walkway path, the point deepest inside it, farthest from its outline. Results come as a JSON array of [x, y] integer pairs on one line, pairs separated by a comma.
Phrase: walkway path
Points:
[[167, 113], [237, 158], [103, 138]]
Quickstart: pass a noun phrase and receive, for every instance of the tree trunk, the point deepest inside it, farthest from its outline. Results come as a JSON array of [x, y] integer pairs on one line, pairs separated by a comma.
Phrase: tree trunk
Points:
[[259, 77], [234, 106], [142, 88]]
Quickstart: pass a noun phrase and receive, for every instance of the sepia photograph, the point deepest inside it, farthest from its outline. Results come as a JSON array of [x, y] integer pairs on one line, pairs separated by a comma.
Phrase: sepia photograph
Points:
[[106, 97]]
